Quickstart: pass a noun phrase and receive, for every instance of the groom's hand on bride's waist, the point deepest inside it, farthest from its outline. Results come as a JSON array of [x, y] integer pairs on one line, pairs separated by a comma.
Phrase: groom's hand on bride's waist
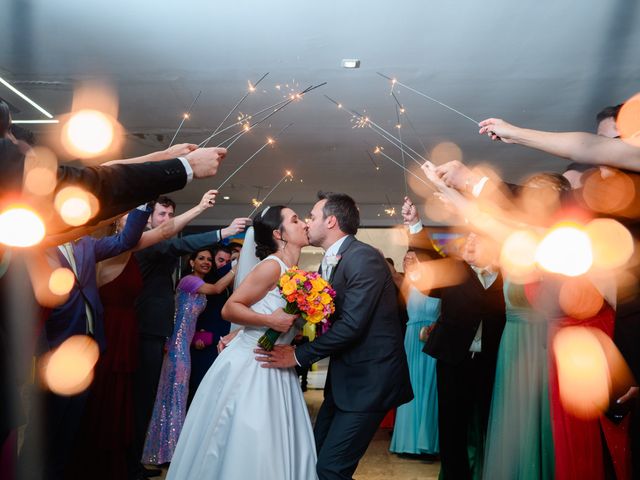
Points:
[[282, 356]]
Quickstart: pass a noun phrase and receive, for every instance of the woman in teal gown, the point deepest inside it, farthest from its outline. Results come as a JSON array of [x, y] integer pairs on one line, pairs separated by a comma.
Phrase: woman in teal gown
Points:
[[519, 441], [416, 427]]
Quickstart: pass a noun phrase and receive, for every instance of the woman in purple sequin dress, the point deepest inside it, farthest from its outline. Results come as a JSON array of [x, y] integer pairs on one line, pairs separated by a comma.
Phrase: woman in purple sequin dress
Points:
[[171, 400]]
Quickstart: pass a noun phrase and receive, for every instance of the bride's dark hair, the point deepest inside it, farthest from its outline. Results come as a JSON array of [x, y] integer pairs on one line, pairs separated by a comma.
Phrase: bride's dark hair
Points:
[[264, 223]]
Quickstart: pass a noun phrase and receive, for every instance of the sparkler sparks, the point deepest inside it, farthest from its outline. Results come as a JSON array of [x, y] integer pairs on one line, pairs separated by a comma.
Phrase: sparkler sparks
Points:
[[185, 116], [394, 81], [270, 141], [252, 88], [288, 176]]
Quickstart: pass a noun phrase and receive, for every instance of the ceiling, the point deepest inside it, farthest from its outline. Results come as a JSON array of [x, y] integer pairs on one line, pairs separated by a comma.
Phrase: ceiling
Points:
[[548, 65]]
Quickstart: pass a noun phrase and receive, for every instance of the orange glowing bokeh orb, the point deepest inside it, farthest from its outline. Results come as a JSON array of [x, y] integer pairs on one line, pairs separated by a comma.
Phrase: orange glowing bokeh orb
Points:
[[75, 205], [583, 371], [518, 255], [69, 369], [21, 227], [88, 133], [61, 281], [611, 241], [565, 249], [628, 121]]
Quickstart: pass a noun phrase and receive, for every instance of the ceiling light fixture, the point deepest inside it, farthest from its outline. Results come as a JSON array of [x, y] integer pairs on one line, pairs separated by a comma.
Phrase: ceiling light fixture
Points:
[[350, 63]]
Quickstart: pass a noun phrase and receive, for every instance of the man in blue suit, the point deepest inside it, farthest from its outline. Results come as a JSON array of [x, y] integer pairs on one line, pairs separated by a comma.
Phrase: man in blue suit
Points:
[[81, 314]]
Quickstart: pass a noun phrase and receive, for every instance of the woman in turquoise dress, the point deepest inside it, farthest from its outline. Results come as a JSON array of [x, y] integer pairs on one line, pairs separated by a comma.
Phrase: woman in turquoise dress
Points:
[[416, 428], [519, 441]]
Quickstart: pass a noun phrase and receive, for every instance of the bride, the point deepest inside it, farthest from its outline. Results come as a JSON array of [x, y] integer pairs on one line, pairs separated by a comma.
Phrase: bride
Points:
[[245, 421]]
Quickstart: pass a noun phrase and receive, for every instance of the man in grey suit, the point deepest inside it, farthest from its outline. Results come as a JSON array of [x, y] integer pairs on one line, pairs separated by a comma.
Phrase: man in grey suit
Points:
[[368, 373]]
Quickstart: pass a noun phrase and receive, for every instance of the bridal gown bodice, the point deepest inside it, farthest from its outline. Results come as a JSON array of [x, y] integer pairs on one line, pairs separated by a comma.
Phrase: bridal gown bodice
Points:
[[247, 421]]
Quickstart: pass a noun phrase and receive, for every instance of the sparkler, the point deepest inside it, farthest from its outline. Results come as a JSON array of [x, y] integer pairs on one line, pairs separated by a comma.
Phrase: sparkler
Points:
[[244, 119], [380, 131], [257, 204], [394, 81], [184, 117], [270, 141], [379, 151], [399, 125], [280, 105], [252, 88], [372, 160]]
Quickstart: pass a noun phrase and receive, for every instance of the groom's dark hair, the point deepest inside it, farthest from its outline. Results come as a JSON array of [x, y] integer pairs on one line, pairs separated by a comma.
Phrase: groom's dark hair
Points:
[[344, 208]]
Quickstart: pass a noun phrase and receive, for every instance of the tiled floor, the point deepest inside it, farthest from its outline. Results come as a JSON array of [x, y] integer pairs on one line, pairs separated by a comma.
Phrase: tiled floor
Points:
[[378, 463]]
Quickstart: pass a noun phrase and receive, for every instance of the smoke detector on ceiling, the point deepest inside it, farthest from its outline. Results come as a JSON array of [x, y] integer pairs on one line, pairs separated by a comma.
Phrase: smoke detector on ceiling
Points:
[[350, 63]]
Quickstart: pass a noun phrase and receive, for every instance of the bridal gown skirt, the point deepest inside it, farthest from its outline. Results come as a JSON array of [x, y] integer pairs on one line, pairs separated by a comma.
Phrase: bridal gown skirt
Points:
[[246, 422]]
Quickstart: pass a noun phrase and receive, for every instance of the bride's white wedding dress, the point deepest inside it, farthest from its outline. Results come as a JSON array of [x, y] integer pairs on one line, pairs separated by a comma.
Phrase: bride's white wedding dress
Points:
[[247, 422]]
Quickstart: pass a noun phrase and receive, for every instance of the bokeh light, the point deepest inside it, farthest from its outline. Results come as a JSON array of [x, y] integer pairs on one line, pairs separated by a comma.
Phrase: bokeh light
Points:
[[608, 190], [565, 249], [579, 298], [583, 372], [69, 369], [518, 255], [628, 121], [75, 205], [21, 227], [445, 152], [88, 133], [612, 243], [40, 171], [61, 281]]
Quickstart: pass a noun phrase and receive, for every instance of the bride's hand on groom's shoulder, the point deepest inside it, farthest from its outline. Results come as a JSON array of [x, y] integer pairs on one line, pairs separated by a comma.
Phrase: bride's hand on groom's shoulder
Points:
[[281, 321]]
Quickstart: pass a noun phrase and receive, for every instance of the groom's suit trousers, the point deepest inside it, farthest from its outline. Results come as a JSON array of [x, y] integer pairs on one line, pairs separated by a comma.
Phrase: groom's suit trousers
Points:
[[342, 439]]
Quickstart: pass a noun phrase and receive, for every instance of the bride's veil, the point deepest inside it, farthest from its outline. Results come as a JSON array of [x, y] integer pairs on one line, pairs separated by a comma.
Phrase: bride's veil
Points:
[[246, 262], [248, 259]]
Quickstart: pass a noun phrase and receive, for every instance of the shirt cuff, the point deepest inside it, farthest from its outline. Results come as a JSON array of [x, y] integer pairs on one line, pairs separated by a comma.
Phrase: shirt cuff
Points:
[[415, 228], [187, 168], [477, 188], [296, 359]]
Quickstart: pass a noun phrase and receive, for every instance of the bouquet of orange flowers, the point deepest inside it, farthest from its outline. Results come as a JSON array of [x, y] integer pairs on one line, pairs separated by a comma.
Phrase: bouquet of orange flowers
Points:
[[308, 295]]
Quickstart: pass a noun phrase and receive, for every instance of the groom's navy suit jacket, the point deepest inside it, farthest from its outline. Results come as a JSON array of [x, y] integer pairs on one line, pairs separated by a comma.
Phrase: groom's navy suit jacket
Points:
[[368, 370]]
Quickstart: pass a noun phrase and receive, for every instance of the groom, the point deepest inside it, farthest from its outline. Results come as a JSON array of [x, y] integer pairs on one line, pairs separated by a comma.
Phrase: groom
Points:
[[368, 373]]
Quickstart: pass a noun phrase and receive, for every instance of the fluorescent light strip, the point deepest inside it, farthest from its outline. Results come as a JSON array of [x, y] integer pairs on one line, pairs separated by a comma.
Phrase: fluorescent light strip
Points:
[[35, 121], [24, 97]]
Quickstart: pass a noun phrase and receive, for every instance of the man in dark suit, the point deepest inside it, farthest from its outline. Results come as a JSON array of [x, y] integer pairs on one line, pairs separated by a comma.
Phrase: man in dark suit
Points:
[[368, 373], [155, 308], [464, 341]]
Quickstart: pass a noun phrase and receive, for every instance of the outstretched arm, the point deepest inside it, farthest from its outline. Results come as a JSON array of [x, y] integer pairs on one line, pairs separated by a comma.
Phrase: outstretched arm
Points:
[[174, 151], [176, 224], [220, 285], [578, 147]]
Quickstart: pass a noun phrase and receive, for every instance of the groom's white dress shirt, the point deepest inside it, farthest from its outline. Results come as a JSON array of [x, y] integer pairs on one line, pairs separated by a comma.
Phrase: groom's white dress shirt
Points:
[[328, 265]]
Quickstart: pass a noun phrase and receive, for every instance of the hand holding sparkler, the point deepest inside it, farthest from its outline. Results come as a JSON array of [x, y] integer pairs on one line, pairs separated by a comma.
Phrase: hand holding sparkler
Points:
[[180, 150], [205, 161], [499, 130], [208, 199], [237, 226], [456, 174], [409, 212]]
